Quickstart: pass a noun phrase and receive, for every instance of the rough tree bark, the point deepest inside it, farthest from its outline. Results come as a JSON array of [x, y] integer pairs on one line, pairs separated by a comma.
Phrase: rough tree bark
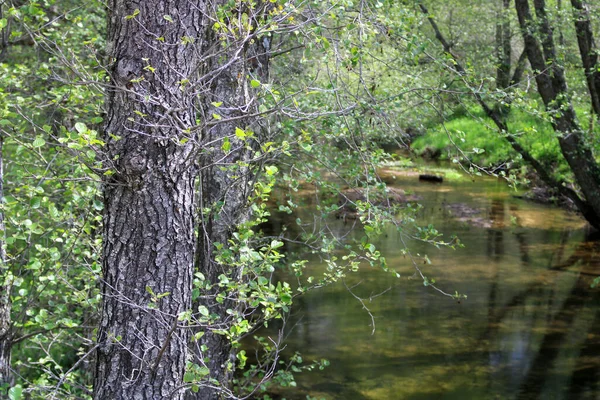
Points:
[[6, 335], [223, 189], [149, 199]]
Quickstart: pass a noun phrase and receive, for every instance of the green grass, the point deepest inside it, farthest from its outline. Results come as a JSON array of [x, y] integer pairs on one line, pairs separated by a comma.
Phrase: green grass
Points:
[[469, 134]]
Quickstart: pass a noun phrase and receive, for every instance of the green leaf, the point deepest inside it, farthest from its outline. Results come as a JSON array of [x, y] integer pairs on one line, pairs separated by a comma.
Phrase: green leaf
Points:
[[135, 13], [254, 83], [80, 127], [53, 211], [271, 170], [168, 18], [35, 202], [189, 377], [3, 23], [98, 205], [203, 310], [226, 145], [15, 392], [286, 298], [306, 146], [240, 133], [38, 142], [241, 356]]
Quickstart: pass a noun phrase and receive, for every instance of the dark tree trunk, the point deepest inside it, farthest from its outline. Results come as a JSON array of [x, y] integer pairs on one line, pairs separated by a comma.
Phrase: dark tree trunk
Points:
[[561, 36], [5, 303], [226, 183], [149, 200], [5, 352], [588, 52], [224, 189], [503, 47], [534, 53]]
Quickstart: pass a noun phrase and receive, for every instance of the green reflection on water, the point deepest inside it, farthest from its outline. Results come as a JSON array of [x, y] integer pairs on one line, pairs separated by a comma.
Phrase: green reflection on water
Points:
[[529, 329]]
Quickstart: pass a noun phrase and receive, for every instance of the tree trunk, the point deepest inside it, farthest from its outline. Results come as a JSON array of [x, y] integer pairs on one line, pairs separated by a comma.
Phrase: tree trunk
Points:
[[149, 199], [503, 47], [519, 69], [226, 183], [224, 189], [588, 52], [5, 303], [561, 36]]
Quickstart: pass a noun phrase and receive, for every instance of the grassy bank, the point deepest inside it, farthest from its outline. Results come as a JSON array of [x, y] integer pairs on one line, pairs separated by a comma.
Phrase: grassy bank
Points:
[[468, 135]]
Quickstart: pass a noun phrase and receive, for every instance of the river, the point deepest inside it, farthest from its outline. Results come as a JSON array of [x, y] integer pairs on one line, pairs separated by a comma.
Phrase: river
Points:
[[529, 329]]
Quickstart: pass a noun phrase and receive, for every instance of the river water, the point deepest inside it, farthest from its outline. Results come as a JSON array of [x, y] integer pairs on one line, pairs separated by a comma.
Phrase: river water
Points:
[[529, 329]]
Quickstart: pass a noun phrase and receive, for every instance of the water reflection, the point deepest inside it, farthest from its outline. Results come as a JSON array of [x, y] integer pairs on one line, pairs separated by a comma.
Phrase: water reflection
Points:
[[529, 329]]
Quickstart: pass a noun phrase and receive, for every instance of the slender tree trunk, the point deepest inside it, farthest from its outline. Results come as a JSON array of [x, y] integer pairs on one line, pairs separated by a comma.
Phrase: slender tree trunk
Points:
[[561, 36], [5, 303], [519, 69], [149, 199], [503, 47], [588, 52]]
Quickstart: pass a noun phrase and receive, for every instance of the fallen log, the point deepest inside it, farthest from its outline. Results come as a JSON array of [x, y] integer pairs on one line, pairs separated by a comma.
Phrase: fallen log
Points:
[[431, 178]]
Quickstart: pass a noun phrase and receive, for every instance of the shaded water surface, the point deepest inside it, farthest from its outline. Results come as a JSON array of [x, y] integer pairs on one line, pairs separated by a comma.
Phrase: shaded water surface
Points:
[[529, 329]]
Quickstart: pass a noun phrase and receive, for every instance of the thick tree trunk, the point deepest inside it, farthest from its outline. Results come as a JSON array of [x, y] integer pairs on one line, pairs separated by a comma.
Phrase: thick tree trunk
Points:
[[149, 201], [588, 52], [5, 303]]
